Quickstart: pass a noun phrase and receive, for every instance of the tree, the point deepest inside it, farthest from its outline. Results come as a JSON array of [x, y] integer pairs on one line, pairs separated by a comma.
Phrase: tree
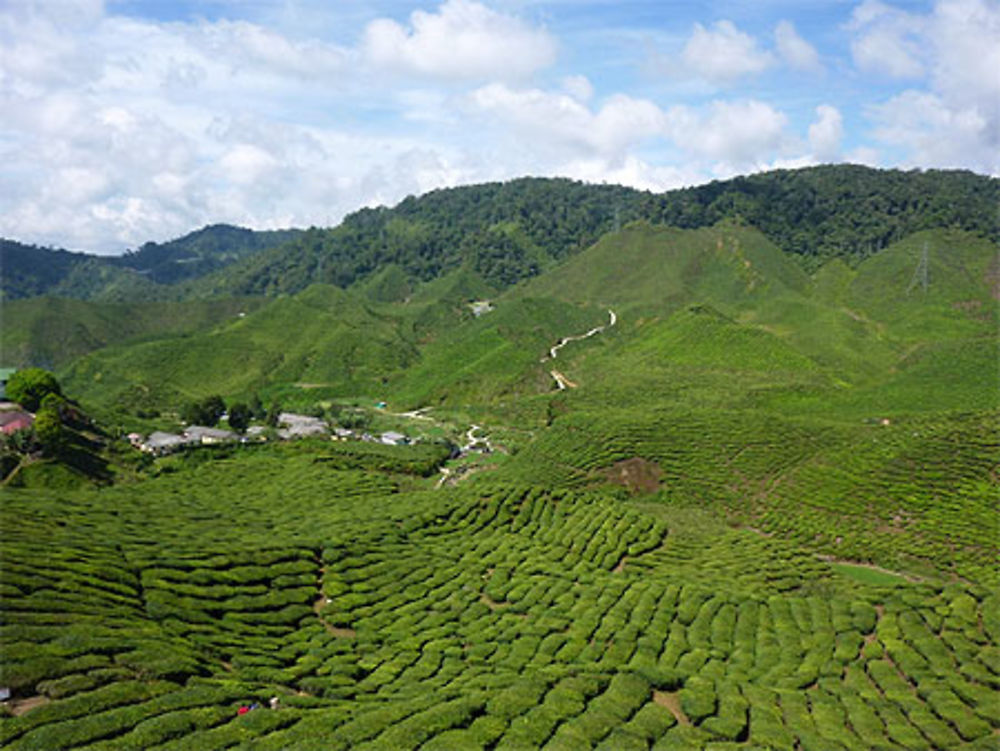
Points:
[[239, 417], [204, 412], [257, 408], [214, 408], [49, 430], [29, 386], [272, 415]]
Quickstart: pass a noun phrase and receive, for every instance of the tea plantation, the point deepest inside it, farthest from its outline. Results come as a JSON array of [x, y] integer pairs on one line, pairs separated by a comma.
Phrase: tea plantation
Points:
[[762, 516], [495, 614]]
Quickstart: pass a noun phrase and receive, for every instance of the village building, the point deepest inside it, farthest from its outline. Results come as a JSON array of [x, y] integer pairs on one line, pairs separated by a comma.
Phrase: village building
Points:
[[14, 420], [208, 436], [392, 438], [301, 426], [159, 443]]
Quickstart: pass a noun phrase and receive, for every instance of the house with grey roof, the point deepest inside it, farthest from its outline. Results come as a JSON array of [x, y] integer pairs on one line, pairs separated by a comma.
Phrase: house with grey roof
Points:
[[300, 426]]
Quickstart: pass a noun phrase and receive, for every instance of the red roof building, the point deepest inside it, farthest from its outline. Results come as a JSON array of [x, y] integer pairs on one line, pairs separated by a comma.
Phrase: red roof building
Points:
[[15, 420]]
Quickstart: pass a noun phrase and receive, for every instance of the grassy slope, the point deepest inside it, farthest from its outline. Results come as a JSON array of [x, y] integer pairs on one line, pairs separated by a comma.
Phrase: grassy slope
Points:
[[322, 336], [857, 332], [537, 604], [50, 332]]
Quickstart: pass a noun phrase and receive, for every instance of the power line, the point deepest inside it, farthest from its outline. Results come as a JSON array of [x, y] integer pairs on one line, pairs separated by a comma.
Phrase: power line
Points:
[[920, 274]]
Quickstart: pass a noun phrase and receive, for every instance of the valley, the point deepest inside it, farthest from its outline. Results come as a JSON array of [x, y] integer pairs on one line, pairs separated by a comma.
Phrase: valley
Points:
[[716, 486]]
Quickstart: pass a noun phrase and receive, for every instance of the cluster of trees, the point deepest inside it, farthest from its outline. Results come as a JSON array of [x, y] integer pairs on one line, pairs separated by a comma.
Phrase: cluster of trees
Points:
[[211, 409], [38, 391], [200, 252]]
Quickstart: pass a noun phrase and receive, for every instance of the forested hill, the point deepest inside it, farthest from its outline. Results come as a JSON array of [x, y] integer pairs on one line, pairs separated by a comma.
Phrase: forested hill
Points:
[[29, 270], [510, 231], [200, 252], [846, 211], [506, 232]]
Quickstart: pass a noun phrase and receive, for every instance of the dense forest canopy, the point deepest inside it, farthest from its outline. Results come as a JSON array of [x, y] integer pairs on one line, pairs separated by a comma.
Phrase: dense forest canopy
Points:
[[511, 231]]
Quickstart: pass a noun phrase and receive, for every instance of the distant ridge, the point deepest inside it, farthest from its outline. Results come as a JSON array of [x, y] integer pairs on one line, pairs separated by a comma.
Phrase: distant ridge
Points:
[[508, 232], [147, 273]]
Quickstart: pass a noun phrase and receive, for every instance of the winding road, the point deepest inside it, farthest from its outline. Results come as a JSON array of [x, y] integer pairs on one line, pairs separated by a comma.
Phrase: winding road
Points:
[[561, 380]]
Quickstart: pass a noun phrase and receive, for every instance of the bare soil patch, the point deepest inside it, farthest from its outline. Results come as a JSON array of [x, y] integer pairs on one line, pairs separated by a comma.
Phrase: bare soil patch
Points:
[[671, 701], [19, 707], [491, 603], [637, 474]]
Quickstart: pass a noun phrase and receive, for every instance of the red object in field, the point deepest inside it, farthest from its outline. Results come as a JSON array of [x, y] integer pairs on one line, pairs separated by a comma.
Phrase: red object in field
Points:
[[242, 710]]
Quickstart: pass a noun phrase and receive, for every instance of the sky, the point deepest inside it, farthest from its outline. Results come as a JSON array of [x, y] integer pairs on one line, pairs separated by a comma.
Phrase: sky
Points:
[[126, 121]]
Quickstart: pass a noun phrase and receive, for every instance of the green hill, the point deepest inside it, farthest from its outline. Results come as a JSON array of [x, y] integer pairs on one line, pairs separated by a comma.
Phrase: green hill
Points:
[[143, 275], [51, 331], [710, 501], [513, 231], [200, 252], [322, 337], [645, 270], [507, 232]]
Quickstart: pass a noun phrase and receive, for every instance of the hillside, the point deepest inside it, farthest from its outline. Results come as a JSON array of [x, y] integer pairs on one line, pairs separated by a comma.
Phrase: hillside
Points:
[[688, 302], [142, 275], [670, 488], [322, 337], [507, 232], [49, 332], [512, 231], [198, 253]]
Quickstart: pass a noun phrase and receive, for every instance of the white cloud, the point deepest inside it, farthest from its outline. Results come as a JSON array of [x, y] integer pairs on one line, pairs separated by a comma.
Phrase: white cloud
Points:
[[794, 50], [937, 135], [737, 133], [245, 44], [565, 123], [965, 35], [724, 54], [578, 87], [463, 40], [634, 172], [826, 133], [887, 40], [955, 121], [118, 129]]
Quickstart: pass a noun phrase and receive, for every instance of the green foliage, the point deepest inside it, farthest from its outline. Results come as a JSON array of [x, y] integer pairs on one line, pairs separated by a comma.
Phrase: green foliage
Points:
[[239, 416], [29, 386], [52, 331], [49, 431], [205, 411]]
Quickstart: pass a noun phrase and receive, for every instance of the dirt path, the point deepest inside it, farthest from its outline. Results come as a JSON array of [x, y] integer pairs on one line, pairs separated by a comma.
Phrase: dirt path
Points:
[[671, 701], [470, 436], [321, 602], [19, 706], [554, 351], [445, 474], [562, 381], [415, 414]]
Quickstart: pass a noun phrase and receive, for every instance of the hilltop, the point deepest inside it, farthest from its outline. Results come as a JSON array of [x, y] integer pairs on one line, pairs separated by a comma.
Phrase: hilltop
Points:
[[140, 275], [507, 232]]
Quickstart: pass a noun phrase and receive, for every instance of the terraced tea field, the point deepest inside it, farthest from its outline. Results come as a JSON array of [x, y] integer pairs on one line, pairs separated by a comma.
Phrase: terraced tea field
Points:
[[501, 613]]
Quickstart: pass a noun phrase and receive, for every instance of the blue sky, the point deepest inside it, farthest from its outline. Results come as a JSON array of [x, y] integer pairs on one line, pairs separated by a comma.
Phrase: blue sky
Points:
[[135, 120]]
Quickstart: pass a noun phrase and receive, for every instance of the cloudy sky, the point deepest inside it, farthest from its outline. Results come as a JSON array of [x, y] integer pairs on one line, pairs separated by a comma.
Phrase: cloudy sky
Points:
[[134, 120]]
